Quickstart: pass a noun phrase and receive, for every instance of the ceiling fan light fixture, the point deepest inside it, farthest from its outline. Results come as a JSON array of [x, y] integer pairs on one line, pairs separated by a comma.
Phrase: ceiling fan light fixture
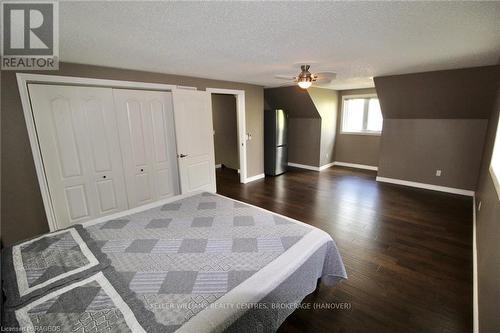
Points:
[[305, 79], [304, 84]]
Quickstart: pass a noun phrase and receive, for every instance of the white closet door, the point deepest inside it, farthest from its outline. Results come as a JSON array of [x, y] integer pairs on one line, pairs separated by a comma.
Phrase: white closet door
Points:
[[195, 142], [78, 138], [146, 130]]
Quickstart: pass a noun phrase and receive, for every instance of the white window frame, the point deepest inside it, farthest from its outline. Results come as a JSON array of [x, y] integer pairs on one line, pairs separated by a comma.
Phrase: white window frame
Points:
[[495, 174], [365, 117]]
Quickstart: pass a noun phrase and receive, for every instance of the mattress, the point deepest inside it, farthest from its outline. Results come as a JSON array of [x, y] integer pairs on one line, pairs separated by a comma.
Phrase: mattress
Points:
[[198, 263]]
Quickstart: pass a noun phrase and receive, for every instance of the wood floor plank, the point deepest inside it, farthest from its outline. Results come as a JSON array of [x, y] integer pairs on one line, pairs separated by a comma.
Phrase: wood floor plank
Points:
[[407, 251]]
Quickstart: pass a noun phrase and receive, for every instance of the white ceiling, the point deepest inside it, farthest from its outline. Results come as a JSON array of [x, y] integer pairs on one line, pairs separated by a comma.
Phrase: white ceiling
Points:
[[252, 41]]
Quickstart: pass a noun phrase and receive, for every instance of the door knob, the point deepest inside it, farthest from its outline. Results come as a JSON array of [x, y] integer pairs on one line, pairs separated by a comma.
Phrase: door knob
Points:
[[182, 155]]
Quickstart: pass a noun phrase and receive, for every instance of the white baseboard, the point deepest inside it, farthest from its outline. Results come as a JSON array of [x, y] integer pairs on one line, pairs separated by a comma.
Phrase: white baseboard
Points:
[[303, 166], [253, 178], [426, 186], [355, 165], [218, 166], [475, 288], [326, 166]]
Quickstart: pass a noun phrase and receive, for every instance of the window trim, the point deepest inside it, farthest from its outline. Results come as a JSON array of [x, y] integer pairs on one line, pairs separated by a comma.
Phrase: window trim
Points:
[[494, 176], [496, 181], [364, 96]]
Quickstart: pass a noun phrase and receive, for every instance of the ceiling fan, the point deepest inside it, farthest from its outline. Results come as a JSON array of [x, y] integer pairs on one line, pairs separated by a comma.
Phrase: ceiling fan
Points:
[[305, 78]]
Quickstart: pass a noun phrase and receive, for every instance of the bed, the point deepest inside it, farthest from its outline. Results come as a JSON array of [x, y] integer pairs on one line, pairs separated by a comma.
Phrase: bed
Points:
[[199, 263]]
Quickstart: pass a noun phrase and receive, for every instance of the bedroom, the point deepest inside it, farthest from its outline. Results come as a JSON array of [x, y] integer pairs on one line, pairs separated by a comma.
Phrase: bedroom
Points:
[[388, 163]]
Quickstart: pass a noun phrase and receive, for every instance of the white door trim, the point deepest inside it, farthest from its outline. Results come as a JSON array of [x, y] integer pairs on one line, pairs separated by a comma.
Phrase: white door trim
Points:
[[240, 119], [475, 288], [24, 79]]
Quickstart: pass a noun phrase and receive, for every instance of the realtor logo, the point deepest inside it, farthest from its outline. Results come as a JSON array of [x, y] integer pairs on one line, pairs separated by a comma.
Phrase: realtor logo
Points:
[[30, 36]]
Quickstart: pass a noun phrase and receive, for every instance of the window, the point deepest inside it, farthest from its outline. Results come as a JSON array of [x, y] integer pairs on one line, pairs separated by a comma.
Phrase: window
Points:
[[495, 161], [361, 115]]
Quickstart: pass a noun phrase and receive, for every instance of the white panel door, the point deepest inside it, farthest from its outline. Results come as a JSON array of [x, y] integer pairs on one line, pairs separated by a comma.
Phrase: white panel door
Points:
[[195, 143], [78, 136], [145, 123]]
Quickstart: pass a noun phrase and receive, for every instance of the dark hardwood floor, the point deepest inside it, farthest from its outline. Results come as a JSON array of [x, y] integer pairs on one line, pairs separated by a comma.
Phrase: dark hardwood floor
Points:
[[408, 252]]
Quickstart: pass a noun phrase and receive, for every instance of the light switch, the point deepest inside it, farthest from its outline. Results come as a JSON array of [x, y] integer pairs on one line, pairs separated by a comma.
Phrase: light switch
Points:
[[438, 173]]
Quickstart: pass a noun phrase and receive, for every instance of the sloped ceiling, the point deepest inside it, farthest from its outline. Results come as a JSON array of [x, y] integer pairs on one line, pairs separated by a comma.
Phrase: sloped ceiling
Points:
[[450, 94], [325, 101], [294, 100]]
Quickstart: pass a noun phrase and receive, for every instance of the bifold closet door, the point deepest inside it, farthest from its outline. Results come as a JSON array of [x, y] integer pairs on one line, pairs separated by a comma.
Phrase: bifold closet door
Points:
[[146, 127], [78, 137]]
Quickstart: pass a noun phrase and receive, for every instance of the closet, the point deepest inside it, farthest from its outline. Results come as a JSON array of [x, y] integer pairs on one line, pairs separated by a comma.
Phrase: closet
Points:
[[104, 150], [146, 127]]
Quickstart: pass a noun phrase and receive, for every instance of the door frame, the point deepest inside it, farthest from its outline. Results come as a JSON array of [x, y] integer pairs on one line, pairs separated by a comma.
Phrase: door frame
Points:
[[24, 79], [240, 126]]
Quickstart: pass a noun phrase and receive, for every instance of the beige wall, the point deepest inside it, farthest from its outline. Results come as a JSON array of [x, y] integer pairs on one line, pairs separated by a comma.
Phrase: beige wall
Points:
[[226, 131], [326, 102], [304, 141], [22, 209], [488, 236], [304, 123], [413, 149], [354, 148], [357, 149], [435, 120], [312, 117], [466, 93]]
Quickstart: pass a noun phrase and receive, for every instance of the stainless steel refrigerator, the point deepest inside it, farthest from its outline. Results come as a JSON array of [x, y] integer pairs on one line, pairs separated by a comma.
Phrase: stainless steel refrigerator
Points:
[[275, 142]]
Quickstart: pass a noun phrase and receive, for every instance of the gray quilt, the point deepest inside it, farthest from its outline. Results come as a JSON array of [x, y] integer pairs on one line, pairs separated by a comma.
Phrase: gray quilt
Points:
[[98, 303], [33, 267], [182, 256], [171, 262]]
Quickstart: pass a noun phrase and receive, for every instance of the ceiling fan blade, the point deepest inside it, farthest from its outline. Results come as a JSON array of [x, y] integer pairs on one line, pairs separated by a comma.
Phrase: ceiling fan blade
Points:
[[281, 85], [326, 75], [285, 77], [321, 83]]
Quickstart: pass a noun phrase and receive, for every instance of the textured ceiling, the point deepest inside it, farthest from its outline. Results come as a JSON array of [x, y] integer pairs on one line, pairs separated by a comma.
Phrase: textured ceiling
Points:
[[252, 41]]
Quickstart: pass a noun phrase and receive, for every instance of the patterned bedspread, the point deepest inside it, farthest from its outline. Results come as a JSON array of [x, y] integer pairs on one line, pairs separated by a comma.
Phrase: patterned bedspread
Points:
[[35, 266], [166, 265]]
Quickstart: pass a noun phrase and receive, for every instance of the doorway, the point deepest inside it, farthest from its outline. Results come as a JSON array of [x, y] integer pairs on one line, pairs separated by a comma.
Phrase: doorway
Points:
[[228, 113]]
